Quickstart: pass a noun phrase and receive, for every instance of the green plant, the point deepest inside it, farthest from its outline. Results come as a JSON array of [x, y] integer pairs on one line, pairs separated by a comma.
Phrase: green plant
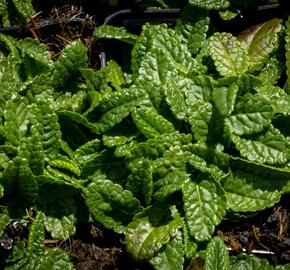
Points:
[[197, 130]]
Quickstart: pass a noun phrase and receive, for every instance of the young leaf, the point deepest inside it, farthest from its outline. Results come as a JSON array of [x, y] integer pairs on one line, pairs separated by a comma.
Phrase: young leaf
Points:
[[260, 41], [228, 54], [204, 205], [171, 257], [210, 4], [150, 230], [109, 204], [246, 192], [150, 123], [217, 255], [24, 7], [111, 32]]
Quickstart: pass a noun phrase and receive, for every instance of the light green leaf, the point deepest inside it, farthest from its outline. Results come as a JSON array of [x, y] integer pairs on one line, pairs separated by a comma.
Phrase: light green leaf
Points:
[[116, 76], [190, 245], [224, 98], [260, 41], [199, 118], [228, 54], [271, 148], [4, 13], [246, 192], [287, 47], [150, 123], [4, 217], [204, 205], [210, 4], [86, 151], [217, 255], [60, 219], [109, 204], [251, 262], [66, 164], [171, 257], [111, 32], [150, 230]]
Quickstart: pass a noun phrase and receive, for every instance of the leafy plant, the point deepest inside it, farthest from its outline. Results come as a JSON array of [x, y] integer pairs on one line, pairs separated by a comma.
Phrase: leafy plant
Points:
[[161, 155]]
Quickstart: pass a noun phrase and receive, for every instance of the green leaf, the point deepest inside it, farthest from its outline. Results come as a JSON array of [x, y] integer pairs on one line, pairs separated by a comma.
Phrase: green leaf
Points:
[[109, 204], [210, 4], [66, 164], [260, 41], [199, 118], [116, 76], [111, 32], [116, 106], [171, 257], [271, 148], [150, 123], [190, 245], [204, 205], [25, 8], [73, 57], [60, 219], [228, 54], [19, 182], [217, 255], [140, 181], [4, 218], [150, 230], [193, 24], [246, 192], [4, 13], [287, 47], [86, 151], [251, 262], [225, 98]]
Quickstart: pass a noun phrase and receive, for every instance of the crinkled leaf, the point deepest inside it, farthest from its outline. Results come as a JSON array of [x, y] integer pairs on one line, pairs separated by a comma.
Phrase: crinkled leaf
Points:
[[150, 230], [25, 8], [65, 164], [228, 54], [19, 182], [271, 148], [224, 98], [150, 123], [111, 32], [86, 151], [4, 13], [189, 244], [287, 47], [217, 255], [260, 41], [73, 57], [60, 219], [205, 206], [140, 181], [210, 4], [246, 192], [193, 24], [116, 76], [199, 118], [4, 217], [171, 257], [251, 262], [116, 106], [109, 204]]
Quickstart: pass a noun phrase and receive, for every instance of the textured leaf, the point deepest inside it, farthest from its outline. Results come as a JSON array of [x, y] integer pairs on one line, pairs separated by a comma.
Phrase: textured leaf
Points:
[[260, 41], [60, 219], [217, 255], [150, 230], [246, 192], [228, 54], [109, 204], [193, 24], [4, 13], [116, 76], [140, 181], [111, 32], [190, 246], [24, 7], [4, 218], [150, 123], [199, 118], [224, 98], [271, 148], [19, 182], [73, 57], [86, 151], [64, 163], [210, 4], [251, 262], [204, 205], [171, 258], [116, 106], [287, 47]]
